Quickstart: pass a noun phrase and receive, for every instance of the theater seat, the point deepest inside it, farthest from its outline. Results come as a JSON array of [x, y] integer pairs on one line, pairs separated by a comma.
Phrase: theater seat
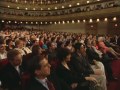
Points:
[[3, 62], [115, 85]]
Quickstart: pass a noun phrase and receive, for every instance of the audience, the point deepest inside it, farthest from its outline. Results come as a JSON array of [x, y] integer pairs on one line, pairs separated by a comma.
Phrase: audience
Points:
[[68, 60]]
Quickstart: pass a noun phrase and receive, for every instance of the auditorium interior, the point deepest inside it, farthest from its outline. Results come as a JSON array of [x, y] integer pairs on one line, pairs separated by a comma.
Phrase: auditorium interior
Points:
[[59, 44]]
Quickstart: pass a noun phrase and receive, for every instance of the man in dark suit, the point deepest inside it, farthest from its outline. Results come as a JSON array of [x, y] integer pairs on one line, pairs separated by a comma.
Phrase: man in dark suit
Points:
[[41, 76], [10, 74]]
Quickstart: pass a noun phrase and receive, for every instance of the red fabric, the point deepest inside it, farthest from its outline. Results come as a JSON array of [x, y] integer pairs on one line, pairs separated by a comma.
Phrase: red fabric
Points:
[[50, 85], [3, 63], [115, 85]]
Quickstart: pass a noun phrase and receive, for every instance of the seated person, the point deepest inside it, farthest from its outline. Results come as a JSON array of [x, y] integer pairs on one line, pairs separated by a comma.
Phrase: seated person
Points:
[[3, 52], [80, 63], [41, 76], [11, 73], [67, 73], [106, 49]]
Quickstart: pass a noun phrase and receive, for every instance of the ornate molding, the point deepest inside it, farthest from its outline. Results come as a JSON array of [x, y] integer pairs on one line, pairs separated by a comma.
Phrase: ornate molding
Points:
[[92, 14], [73, 3]]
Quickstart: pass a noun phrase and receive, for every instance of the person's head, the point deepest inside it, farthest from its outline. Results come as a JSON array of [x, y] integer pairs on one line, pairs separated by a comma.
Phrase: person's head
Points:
[[79, 47], [100, 39], [36, 50], [39, 67], [24, 41], [51, 45], [2, 45], [14, 57], [9, 42], [64, 54], [19, 44], [94, 43]]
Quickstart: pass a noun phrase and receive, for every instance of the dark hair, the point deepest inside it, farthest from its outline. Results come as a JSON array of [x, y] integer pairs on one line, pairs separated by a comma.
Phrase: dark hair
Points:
[[18, 42], [2, 41], [34, 64], [12, 53], [62, 53], [8, 41], [77, 46], [35, 49]]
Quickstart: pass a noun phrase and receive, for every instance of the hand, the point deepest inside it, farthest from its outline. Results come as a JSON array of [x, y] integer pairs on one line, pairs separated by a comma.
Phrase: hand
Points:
[[74, 85], [91, 79]]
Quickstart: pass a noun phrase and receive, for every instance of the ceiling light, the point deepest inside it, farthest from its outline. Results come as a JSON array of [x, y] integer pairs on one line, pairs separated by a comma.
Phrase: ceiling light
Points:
[[63, 7], [88, 1], [78, 21], [63, 22], [25, 1], [73, 21], [114, 19], [33, 8], [91, 26], [18, 8], [84, 20], [36, 22], [3, 21], [116, 25], [8, 6], [78, 3], [48, 8], [26, 8], [70, 5], [59, 22], [98, 20], [21, 22], [91, 21], [26, 22], [55, 7], [105, 19], [41, 8], [68, 21], [55, 22], [9, 21], [15, 21]]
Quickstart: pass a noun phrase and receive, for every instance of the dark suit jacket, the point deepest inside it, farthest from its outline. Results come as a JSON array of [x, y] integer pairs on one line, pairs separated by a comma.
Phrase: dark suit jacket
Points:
[[35, 85], [10, 78], [81, 65], [58, 83], [92, 55], [118, 41], [70, 77]]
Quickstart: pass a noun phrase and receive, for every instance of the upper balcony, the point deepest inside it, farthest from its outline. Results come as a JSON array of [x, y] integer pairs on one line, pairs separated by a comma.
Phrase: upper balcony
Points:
[[93, 10]]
